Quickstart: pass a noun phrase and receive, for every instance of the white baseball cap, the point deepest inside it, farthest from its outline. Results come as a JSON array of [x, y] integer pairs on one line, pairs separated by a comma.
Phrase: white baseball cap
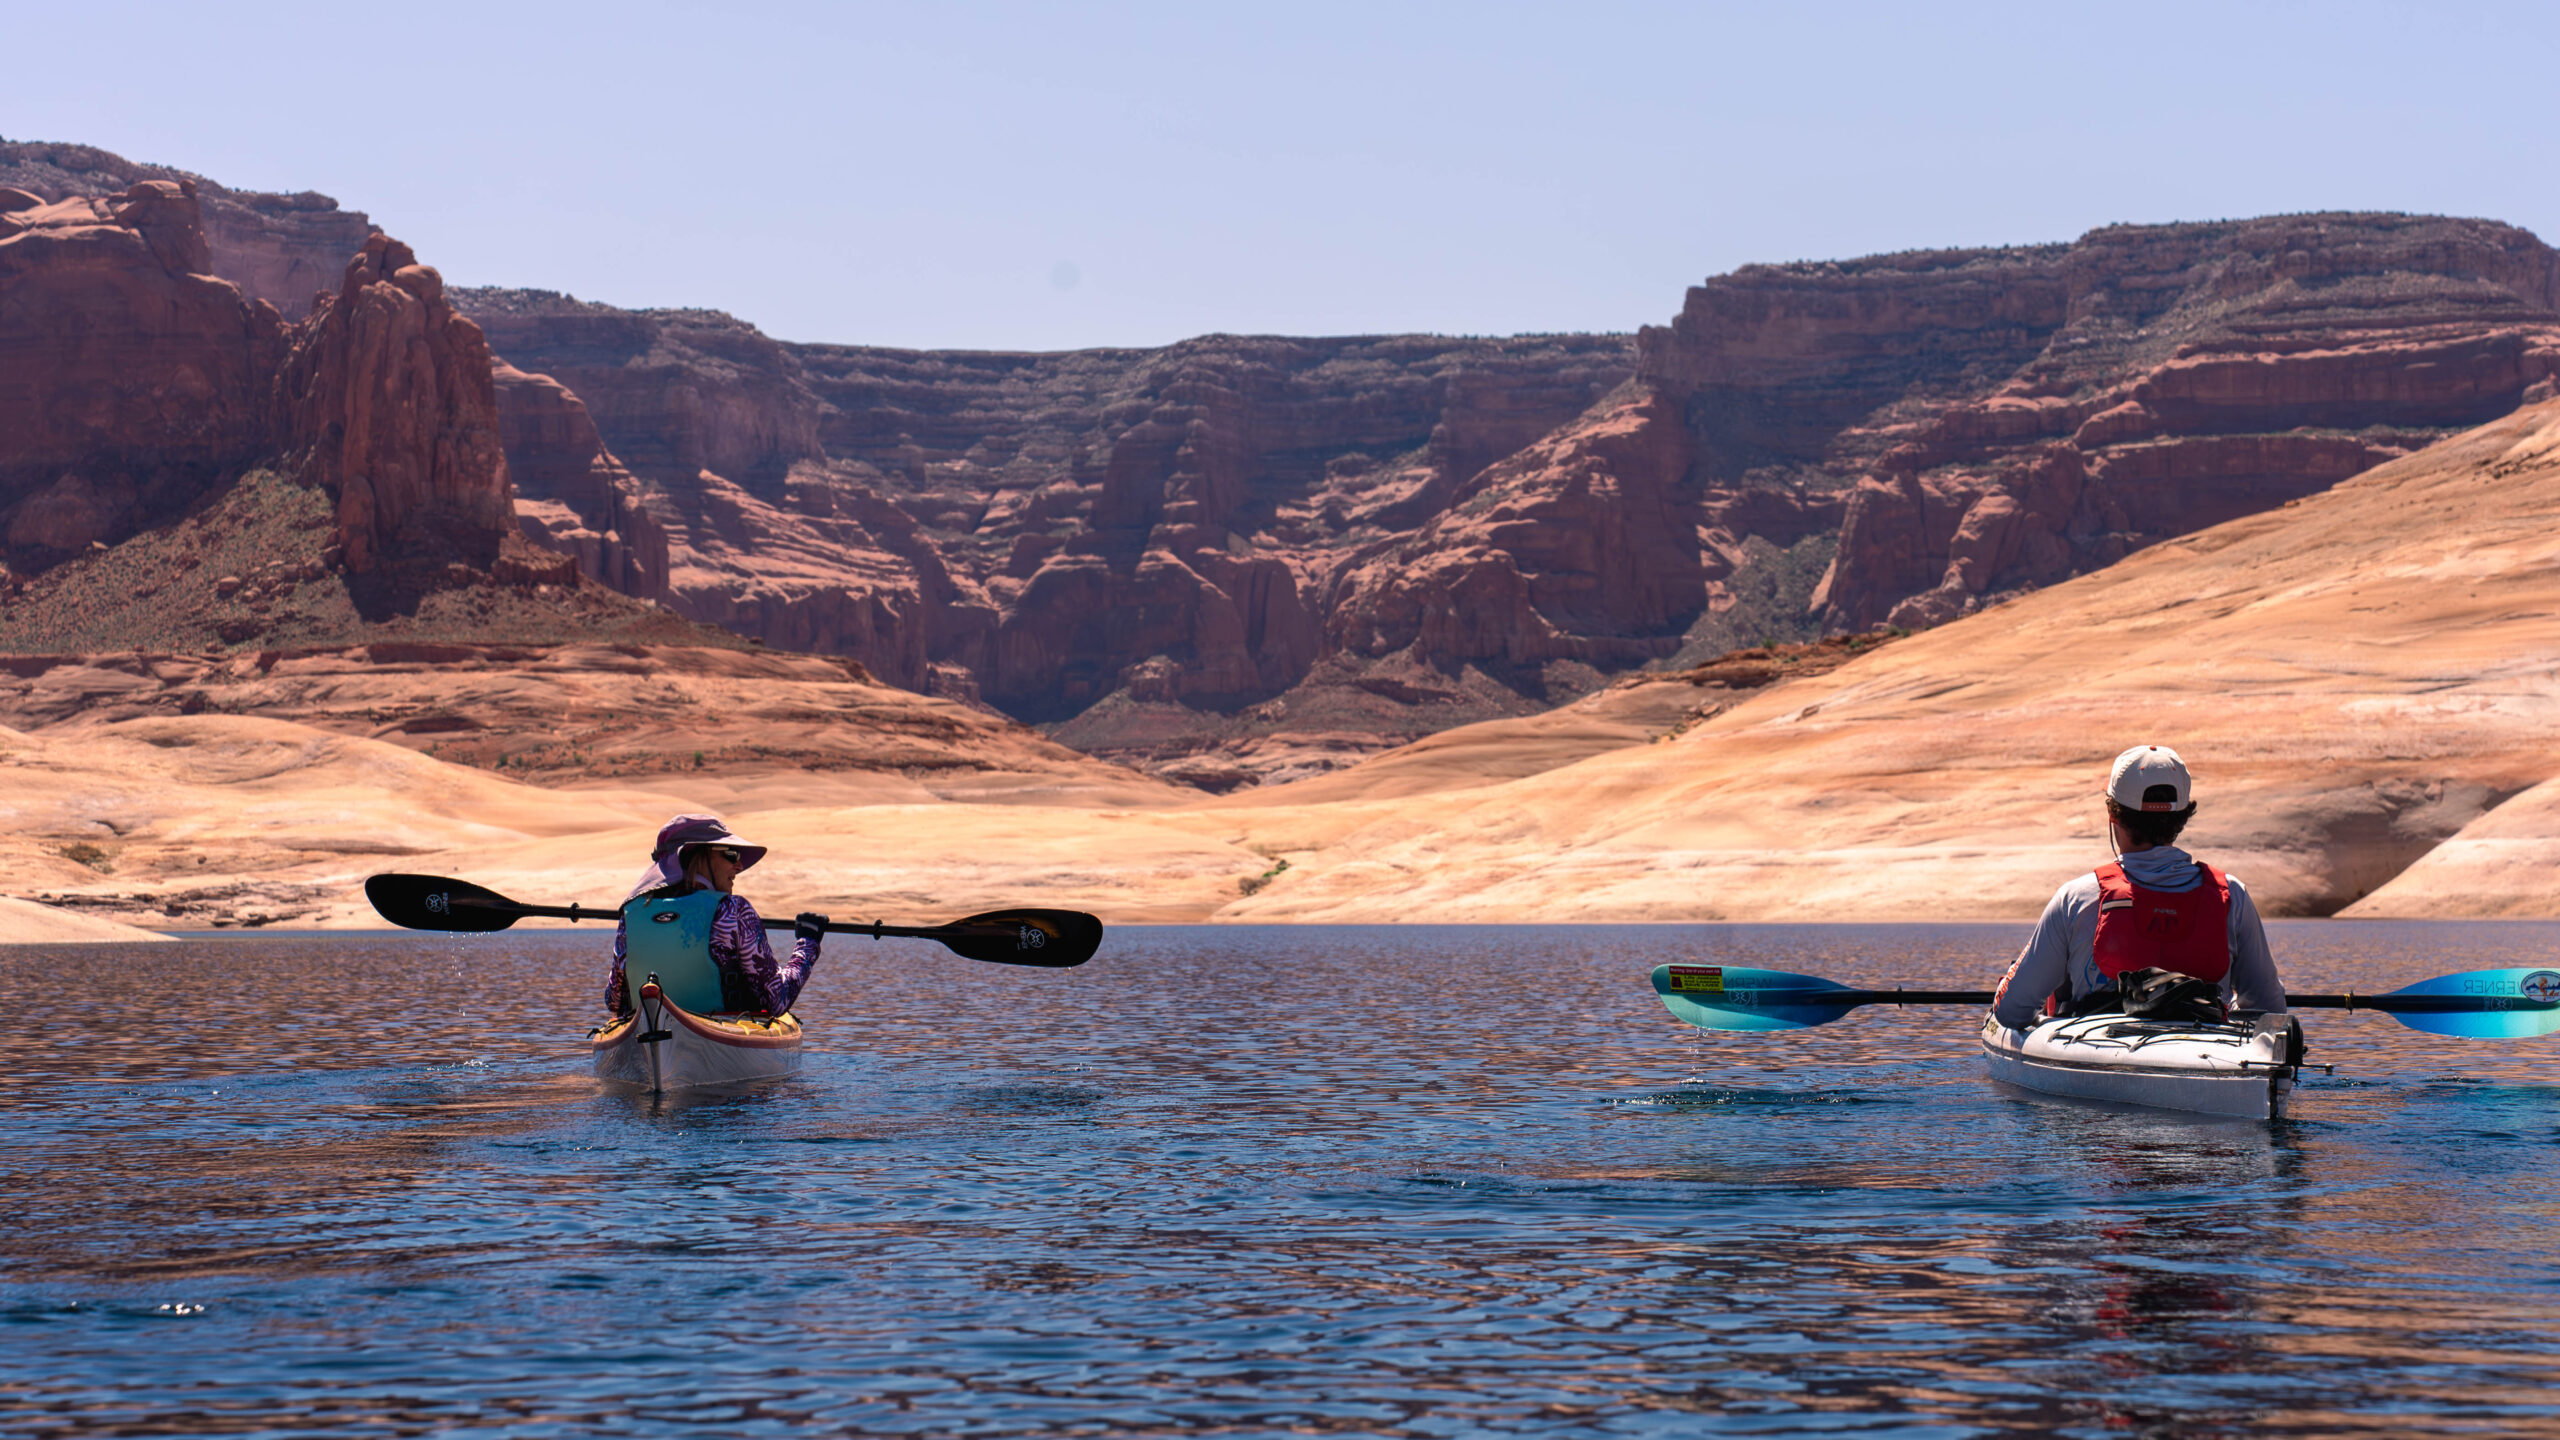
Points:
[[2142, 774]]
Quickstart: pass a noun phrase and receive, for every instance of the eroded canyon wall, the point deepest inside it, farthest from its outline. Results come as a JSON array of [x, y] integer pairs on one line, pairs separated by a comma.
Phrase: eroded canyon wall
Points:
[[137, 388], [1450, 525], [130, 379], [1169, 552], [2002, 419], [287, 250], [1040, 530]]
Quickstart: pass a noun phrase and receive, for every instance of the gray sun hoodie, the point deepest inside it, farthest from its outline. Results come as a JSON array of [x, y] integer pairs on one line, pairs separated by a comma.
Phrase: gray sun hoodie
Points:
[[2061, 951]]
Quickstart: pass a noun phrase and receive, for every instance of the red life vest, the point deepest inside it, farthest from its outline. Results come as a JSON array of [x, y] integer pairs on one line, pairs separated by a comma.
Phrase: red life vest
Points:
[[2188, 931]]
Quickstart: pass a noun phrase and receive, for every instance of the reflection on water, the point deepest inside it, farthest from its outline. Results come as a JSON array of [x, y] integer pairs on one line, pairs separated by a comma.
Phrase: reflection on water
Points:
[[1374, 1180]]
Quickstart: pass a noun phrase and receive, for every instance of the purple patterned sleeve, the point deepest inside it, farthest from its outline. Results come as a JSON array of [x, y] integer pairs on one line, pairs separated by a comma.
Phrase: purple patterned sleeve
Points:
[[617, 996], [751, 977]]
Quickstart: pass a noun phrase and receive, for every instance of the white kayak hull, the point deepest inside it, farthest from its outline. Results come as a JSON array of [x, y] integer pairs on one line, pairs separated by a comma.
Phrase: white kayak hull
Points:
[[2236, 1069], [680, 1049]]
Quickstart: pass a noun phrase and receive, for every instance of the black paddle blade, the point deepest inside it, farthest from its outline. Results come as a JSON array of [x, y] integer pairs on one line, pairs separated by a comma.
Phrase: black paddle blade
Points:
[[431, 902], [1052, 939]]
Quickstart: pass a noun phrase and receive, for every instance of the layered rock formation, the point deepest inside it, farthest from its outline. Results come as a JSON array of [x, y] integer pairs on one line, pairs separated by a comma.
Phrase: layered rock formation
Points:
[[258, 565], [137, 391], [287, 250], [2354, 677], [1238, 558], [130, 380], [2002, 419], [1040, 531], [148, 787], [387, 403], [1223, 544], [571, 494]]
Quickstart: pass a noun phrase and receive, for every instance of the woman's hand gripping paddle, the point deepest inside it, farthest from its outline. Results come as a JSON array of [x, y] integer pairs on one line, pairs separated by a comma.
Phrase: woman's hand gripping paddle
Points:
[[1049, 939], [2476, 1004]]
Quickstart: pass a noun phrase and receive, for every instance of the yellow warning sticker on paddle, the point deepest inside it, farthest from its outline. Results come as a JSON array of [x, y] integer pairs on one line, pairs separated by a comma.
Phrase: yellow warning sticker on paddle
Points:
[[1697, 977]]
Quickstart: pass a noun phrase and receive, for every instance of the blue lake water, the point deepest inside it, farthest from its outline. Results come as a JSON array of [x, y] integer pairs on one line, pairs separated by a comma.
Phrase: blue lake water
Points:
[[1396, 1181]]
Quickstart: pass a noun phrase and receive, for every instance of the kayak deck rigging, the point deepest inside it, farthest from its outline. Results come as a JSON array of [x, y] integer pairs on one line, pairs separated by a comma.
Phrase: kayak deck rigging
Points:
[[2243, 1068]]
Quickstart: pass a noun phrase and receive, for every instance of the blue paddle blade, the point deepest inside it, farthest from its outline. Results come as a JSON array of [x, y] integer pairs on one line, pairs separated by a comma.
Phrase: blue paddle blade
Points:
[[1732, 997], [2513, 1004]]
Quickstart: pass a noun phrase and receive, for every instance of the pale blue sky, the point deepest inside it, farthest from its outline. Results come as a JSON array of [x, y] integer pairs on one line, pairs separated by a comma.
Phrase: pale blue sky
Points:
[[1046, 177]]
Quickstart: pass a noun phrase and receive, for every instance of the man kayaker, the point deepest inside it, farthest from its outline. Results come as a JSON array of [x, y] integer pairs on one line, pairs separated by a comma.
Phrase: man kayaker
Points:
[[2153, 908], [692, 916]]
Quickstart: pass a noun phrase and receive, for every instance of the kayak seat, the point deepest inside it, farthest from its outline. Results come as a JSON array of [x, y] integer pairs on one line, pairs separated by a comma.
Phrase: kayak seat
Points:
[[2156, 995]]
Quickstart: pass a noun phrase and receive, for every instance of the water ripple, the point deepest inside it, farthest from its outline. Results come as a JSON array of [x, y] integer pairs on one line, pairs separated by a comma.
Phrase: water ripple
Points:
[[1242, 1181]]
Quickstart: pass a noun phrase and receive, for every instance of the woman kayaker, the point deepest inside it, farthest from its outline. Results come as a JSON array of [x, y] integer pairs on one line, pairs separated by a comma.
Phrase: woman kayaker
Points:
[[2153, 908], [705, 945]]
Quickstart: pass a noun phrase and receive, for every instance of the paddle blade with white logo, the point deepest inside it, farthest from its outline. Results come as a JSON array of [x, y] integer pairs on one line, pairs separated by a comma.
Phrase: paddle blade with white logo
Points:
[[2492, 1004], [432, 902], [1734, 997], [1048, 939]]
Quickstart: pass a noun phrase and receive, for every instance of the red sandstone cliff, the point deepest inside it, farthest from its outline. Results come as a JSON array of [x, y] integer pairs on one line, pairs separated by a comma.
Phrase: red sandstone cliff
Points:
[[2001, 419], [136, 390], [1199, 548], [571, 494], [1199, 535], [130, 380], [284, 249], [1041, 531], [387, 403]]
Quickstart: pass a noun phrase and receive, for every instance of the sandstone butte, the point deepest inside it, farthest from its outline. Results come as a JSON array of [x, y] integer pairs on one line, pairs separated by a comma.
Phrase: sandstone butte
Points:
[[2364, 679]]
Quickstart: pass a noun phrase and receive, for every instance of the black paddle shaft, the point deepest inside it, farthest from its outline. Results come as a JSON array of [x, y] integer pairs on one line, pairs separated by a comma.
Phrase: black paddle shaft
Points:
[[877, 930], [1048, 939], [2387, 1004], [2417, 1004], [1898, 997], [1053, 939]]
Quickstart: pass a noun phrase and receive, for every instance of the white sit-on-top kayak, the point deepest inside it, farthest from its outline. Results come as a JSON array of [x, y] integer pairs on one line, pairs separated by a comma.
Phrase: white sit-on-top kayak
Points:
[[2236, 1068], [2239, 1067]]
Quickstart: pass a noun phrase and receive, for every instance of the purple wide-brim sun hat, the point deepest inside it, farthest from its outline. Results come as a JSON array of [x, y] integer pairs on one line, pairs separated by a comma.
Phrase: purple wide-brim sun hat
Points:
[[666, 857]]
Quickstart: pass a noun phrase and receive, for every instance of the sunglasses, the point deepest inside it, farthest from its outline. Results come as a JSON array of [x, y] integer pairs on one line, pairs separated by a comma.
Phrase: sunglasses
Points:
[[722, 852]]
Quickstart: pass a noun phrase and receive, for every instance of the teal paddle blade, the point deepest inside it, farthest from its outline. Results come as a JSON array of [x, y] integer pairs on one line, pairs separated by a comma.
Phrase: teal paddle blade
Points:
[[1732, 997], [2508, 1004]]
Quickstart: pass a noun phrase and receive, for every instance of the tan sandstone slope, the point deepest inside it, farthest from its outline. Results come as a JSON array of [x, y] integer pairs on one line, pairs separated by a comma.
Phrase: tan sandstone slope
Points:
[[2356, 677], [2504, 865], [208, 820]]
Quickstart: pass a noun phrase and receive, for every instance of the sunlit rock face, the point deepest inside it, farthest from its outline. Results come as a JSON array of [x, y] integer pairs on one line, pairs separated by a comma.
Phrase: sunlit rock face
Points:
[[1805, 449], [2364, 683], [130, 379], [1042, 531], [387, 402], [1250, 558], [287, 250], [572, 494], [2002, 419]]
